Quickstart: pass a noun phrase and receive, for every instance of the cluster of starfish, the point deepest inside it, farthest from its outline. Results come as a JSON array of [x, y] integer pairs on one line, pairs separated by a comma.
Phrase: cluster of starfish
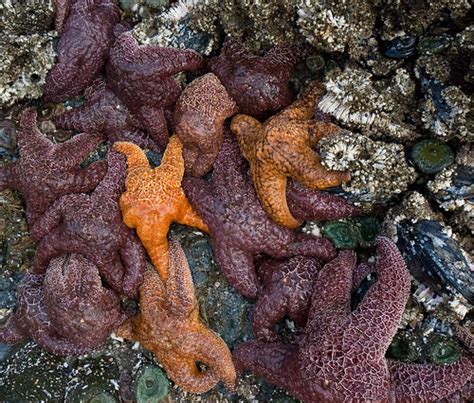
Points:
[[95, 226]]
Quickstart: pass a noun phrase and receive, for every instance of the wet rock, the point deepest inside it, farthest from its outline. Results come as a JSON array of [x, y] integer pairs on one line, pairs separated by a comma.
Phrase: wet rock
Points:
[[401, 47]]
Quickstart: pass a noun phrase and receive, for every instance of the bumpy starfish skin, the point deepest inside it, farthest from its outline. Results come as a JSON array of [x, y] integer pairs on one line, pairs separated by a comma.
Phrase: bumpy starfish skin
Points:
[[313, 205], [281, 147], [169, 326], [286, 291], [66, 311], [154, 199], [86, 39], [105, 113], [91, 224], [259, 85], [45, 171], [142, 76], [239, 226], [199, 116], [61, 11], [341, 356]]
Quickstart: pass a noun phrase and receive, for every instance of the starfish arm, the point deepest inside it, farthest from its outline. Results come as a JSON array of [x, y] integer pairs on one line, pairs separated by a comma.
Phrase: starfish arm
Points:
[[179, 283], [58, 345], [184, 372], [331, 298], [238, 266], [76, 150], [199, 193], [247, 131], [429, 382], [173, 161], [171, 61], [385, 300], [190, 218], [465, 337], [277, 363], [269, 309], [313, 205], [29, 134], [87, 118], [10, 333], [209, 349], [133, 258], [50, 219], [270, 187], [85, 180], [112, 271], [155, 123], [136, 158], [138, 137], [61, 11], [51, 245], [284, 56], [314, 246], [7, 177], [303, 108], [235, 51], [112, 185]]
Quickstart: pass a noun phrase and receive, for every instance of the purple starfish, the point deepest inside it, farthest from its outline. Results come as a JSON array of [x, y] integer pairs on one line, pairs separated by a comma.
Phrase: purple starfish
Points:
[[91, 224], [286, 291], [341, 356], [67, 311], [46, 171], [104, 112], [86, 39], [259, 85], [239, 227], [142, 76]]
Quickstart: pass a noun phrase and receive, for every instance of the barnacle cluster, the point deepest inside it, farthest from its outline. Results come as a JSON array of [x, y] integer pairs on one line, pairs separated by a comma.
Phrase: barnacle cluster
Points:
[[26, 45], [378, 169]]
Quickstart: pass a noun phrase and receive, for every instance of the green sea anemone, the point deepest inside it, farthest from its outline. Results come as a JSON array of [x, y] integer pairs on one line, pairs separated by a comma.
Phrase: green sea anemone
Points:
[[405, 348], [442, 349], [314, 63], [151, 385], [431, 156], [343, 234], [368, 230]]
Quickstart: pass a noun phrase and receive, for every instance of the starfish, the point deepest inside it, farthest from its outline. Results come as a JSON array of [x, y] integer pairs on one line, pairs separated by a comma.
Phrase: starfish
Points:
[[286, 289], [154, 199], [199, 117], [259, 85], [67, 311], [282, 147], [142, 76], [104, 112], [239, 227], [341, 356], [61, 11], [169, 326], [91, 224], [45, 171], [83, 47]]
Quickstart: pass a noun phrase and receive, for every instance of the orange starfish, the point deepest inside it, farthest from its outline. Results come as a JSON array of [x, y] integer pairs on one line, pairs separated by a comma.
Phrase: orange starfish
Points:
[[282, 147], [154, 199], [169, 326]]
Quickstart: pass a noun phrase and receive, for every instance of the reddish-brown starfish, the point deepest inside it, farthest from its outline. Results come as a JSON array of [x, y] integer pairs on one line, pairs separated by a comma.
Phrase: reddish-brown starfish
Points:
[[169, 326]]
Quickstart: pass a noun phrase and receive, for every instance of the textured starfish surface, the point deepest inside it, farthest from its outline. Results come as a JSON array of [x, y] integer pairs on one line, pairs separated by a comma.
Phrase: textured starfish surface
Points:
[[341, 356], [315, 205], [259, 85], [83, 47], [169, 326], [46, 171], [67, 311], [154, 199], [61, 11], [281, 147], [239, 226], [105, 113], [287, 287], [91, 224], [142, 76], [199, 117]]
